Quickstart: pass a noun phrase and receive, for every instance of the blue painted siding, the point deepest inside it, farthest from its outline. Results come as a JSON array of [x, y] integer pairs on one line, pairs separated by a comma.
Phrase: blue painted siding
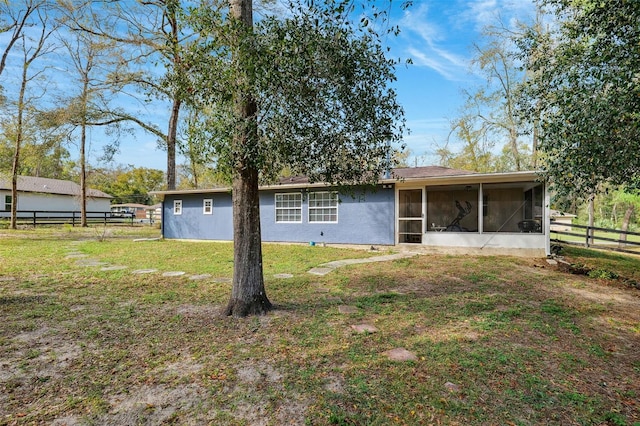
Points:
[[361, 220], [369, 220], [192, 223]]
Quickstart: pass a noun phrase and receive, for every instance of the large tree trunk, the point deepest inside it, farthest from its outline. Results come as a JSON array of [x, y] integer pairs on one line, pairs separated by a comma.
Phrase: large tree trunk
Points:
[[171, 144], [625, 224], [83, 144], [15, 167], [14, 188], [248, 296], [83, 174], [592, 215]]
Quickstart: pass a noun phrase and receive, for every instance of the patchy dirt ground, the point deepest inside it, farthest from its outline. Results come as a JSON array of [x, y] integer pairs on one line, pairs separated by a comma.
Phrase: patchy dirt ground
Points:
[[496, 340]]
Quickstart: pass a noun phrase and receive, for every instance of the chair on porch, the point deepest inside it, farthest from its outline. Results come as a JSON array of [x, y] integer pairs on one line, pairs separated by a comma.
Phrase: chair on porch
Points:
[[529, 225]]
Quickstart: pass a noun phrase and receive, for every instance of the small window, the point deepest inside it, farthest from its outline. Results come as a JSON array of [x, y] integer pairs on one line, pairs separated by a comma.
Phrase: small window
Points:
[[207, 206], [177, 207], [289, 207], [323, 207], [8, 201]]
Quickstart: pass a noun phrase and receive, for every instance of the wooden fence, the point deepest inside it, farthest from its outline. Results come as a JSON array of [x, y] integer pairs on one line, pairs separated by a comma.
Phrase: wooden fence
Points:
[[57, 217], [589, 238]]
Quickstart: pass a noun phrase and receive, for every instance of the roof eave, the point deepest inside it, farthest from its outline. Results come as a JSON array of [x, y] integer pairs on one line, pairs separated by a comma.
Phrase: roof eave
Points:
[[470, 178], [463, 178]]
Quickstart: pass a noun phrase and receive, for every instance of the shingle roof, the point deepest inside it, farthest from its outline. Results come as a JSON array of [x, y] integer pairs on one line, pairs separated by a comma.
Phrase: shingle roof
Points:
[[398, 173], [50, 186], [427, 172]]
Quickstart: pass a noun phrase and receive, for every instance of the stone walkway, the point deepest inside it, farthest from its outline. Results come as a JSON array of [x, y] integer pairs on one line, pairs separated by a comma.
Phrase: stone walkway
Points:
[[396, 354], [325, 268], [82, 259]]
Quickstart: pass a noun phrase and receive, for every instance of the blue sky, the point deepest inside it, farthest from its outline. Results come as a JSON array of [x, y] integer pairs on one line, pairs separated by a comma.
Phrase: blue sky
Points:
[[437, 35]]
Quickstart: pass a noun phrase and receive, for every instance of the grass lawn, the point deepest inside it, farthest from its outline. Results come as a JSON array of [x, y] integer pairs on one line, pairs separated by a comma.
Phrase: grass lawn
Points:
[[497, 340]]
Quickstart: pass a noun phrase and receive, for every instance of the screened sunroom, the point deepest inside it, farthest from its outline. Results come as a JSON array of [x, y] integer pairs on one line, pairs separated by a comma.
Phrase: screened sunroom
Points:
[[480, 210]]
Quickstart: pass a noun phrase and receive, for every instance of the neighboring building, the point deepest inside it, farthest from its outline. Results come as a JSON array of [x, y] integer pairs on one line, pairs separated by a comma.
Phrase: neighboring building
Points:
[[563, 221], [52, 195], [141, 212], [427, 206], [137, 211], [154, 213]]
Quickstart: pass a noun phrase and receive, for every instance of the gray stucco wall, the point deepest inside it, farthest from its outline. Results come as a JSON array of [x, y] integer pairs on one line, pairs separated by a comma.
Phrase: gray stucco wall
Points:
[[365, 219]]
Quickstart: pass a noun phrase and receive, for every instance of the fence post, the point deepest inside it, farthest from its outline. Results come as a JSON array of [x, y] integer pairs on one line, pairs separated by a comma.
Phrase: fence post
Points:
[[34, 219], [586, 243], [73, 219]]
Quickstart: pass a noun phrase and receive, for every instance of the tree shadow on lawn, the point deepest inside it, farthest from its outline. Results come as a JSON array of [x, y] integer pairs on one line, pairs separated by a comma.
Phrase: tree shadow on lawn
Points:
[[25, 299]]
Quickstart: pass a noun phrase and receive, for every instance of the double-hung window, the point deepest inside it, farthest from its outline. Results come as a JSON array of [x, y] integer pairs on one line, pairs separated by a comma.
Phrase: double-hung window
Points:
[[8, 201], [289, 207], [323, 207], [177, 207]]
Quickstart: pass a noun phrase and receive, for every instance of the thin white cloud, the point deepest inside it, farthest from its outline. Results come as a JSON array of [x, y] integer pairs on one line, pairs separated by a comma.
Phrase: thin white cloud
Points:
[[438, 34], [483, 13], [425, 38]]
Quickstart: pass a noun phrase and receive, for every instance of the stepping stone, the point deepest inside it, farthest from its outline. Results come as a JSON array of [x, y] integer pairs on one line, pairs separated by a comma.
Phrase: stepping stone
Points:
[[200, 277], [173, 274], [346, 309], [320, 271], [325, 268], [144, 271], [364, 328], [283, 276], [113, 268], [552, 262], [90, 262], [222, 280], [400, 354], [76, 256], [452, 387]]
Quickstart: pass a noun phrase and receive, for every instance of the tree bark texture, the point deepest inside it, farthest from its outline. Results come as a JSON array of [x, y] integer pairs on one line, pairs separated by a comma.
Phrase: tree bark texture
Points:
[[248, 296], [625, 224], [16, 155], [171, 144], [83, 144]]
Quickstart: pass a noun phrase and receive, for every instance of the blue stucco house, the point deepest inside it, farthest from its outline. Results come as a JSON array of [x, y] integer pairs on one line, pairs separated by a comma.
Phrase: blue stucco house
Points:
[[432, 206]]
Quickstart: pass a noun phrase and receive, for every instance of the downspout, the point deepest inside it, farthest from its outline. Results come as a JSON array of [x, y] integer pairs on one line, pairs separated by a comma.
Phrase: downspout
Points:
[[162, 215]]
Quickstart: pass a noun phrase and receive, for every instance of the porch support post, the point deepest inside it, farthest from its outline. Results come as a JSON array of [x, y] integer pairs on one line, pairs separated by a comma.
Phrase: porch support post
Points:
[[546, 225], [480, 208]]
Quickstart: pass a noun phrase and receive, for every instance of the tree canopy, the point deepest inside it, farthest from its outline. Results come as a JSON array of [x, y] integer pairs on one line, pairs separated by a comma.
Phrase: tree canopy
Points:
[[321, 84], [585, 89]]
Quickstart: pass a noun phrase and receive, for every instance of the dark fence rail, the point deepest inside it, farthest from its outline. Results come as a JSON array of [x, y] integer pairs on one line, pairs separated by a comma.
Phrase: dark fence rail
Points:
[[59, 217], [589, 238]]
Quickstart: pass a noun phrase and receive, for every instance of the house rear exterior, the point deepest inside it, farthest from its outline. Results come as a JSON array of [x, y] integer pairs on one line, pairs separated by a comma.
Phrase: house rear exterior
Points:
[[425, 206]]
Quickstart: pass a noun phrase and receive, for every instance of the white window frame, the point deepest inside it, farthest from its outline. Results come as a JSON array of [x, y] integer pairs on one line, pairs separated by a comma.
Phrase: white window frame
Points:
[[333, 200], [177, 207], [297, 197], [207, 206]]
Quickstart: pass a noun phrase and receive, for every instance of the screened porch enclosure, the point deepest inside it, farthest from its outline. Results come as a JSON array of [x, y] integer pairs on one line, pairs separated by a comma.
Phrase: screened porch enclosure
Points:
[[485, 208]]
